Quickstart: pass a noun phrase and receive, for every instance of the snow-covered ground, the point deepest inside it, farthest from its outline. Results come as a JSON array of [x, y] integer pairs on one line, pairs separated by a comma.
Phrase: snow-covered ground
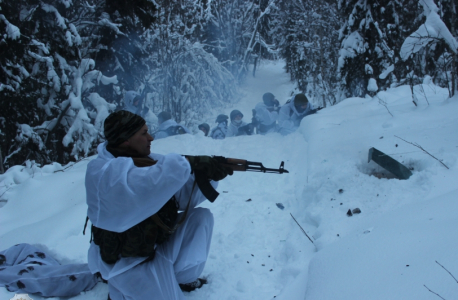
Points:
[[388, 251]]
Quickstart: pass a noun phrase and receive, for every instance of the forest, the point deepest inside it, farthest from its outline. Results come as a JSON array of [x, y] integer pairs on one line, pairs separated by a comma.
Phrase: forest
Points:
[[66, 64]]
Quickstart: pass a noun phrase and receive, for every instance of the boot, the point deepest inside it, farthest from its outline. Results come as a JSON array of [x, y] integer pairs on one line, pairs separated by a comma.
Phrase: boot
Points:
[[197, 284]]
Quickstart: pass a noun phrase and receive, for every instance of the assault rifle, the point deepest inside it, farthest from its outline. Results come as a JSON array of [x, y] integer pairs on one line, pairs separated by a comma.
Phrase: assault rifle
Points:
[[234, 164]]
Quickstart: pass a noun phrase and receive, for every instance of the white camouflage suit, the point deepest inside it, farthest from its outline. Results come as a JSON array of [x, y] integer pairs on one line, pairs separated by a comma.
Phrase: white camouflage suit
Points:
[[266, 117], [289, 118], [162, 130], [233, 129], [144, 112], [120, 195]]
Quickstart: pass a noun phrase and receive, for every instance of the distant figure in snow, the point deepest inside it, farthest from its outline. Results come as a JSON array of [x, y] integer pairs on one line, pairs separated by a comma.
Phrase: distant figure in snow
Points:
[[238, 126], [205, 128], [168, 127], [265, 114], [220, 131], [292, 113], [133, 102]]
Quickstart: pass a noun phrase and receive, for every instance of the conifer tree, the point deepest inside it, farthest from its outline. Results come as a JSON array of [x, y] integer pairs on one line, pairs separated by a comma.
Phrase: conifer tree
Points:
[[433, 45], [307, 38], [51, 110], [371, 39]]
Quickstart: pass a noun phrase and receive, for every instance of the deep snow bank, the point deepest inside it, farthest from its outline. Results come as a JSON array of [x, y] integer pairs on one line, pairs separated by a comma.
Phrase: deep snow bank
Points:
[[388, 251]]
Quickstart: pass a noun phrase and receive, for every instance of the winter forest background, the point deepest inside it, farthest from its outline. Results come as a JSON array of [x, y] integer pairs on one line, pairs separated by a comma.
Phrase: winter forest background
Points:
[[66, 64]]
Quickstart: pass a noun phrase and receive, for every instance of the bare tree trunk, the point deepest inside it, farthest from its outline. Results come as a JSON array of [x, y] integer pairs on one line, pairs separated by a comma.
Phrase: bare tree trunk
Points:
[[322, 63], [2, 170], [454, 74], [59, 118], [455, 57], [254, 66]]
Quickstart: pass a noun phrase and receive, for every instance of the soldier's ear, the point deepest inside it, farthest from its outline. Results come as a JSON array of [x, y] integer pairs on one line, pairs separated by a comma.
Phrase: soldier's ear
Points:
[[124, 144]]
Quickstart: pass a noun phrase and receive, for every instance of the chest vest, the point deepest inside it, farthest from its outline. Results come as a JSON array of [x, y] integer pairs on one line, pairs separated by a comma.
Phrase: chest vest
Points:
[[139, 240]]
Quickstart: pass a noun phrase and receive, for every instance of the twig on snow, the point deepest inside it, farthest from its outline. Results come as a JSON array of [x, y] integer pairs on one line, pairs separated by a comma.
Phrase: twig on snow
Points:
[[383, 102], [301, 228], [71, 165], [5, 191], [434, 292], [447, 271], [422, 89], [418, 146]]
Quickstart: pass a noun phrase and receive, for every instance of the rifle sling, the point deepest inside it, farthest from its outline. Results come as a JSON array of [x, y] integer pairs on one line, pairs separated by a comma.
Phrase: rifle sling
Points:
[[166, 228]]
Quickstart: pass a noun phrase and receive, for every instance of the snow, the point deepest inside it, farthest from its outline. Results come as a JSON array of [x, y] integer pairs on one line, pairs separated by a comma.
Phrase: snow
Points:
[[107, 80], [111, 25], [432, 30], [386, 72], [67, 3], [351, 45], [372, 85], [76, 37], [59, 19], [68, 37], [12, 31], [102, 108], [388, 251]]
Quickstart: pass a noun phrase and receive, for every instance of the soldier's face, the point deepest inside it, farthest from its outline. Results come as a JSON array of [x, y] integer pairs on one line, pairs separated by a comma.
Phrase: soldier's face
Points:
[[301, 108], [136, 101], [140, 141], [203, 130]]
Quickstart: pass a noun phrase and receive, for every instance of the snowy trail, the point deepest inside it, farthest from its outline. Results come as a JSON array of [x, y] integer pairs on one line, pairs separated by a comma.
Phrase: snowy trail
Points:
[[270, 77], [254, 241], [258, 242]]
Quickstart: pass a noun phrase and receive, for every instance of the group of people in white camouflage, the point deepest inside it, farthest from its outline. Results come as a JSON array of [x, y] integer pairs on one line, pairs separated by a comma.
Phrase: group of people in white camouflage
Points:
[[268, 116]]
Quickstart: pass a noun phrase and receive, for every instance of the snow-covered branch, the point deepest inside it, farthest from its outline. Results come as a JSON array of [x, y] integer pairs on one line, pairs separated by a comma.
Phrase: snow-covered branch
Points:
[[432, 30]]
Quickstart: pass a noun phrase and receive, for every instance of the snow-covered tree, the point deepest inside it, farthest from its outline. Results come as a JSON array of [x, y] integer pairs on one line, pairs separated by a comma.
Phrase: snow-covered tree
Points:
[[73, 60], [307, 35], [370, 42], [435, 44], [238, 33], [47, 109], [66, 64], [185, 79]]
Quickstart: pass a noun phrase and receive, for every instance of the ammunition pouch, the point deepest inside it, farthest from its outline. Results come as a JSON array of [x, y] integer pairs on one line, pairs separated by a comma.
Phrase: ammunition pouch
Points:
[[139, 240]]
